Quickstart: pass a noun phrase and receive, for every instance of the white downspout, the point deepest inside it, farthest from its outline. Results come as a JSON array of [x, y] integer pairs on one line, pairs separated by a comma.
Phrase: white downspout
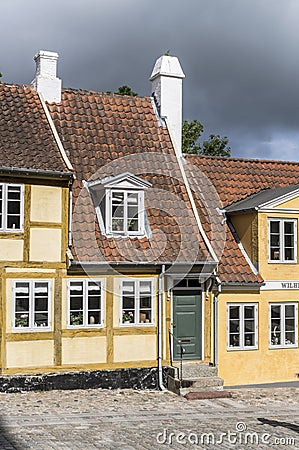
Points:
[[160, 329], [70, 217]]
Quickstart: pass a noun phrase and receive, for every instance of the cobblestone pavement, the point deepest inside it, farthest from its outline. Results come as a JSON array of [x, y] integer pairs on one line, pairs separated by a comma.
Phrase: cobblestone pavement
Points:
[[138, 420]]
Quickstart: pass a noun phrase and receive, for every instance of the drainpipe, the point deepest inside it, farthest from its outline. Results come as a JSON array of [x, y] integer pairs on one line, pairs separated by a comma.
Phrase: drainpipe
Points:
[[70, 217], [160, 329], [215, 362]]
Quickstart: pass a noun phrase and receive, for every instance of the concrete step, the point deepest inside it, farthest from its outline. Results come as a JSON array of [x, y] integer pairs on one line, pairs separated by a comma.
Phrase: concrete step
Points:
[[202, 382], [199, 384], [195, 370], [206, 395]]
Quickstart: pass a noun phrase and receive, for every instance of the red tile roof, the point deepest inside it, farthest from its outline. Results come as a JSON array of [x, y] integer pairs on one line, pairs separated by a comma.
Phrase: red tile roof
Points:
[[235, 179], [26, 140], [106, 135]]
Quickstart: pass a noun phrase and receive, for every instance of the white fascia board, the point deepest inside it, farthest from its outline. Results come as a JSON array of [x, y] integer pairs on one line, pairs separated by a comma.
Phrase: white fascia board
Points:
[[125, 180], [281, 199], [278, 210]]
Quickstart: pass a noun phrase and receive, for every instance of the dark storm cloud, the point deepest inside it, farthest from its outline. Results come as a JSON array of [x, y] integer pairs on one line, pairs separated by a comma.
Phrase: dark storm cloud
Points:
[[240, 58]]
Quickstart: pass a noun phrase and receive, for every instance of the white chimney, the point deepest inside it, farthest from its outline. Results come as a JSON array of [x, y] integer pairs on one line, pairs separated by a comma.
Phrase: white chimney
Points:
[[46, 81], [167, 85]]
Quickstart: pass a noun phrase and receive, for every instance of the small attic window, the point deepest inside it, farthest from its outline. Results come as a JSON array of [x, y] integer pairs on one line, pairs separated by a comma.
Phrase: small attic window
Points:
[[125, 212], [119, 205]]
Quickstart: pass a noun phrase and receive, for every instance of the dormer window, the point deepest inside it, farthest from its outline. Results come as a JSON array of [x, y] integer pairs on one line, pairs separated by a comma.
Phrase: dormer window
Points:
[[125, 212], [119, 203]]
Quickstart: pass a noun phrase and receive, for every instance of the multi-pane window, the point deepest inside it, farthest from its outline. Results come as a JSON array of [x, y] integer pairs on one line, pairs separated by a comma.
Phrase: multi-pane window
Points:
[[137, 301], [282, 240], [283, 324], [11, 207], [31, 304], [85, 303], [242, 326], [125, 212]]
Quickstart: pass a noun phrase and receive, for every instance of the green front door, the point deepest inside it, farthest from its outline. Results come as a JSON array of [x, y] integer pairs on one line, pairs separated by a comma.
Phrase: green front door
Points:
[[187, 324]]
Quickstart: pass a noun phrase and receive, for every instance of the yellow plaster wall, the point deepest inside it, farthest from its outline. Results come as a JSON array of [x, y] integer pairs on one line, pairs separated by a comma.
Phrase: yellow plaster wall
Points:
[[11, 249], [293, 204], [46, 204], [275, 271], [45, 244], [135, 348], [243, 224], [29, 353], [84, 350], [255, 366]]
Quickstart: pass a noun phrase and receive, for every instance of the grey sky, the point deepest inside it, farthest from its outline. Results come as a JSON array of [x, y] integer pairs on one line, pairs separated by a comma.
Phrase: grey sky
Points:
[[240, 57]]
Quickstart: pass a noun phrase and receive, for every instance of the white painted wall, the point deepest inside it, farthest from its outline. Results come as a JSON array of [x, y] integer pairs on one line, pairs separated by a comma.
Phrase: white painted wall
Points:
[[167, 85], [46, 81]]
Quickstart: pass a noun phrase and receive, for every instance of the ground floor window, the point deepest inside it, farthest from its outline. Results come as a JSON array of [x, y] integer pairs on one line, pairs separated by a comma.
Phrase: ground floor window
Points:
[[85, 303], [242, 326], [137, 301], [283, 326], [31, 304]]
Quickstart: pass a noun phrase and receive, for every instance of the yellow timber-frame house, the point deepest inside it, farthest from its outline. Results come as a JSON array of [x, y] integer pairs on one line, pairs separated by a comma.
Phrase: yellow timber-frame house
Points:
[[123, 260]]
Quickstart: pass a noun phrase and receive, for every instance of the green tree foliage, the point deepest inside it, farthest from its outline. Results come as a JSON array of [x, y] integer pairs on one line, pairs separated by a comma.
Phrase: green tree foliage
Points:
[[126, 90], [214, 146], [191, 131]]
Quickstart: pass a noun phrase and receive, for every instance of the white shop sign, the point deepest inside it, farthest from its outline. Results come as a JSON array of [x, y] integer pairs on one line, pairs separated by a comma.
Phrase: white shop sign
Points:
[[281, 285]]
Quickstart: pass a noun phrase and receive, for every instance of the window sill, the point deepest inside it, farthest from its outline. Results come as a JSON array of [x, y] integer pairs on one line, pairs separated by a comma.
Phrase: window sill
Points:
[[282, 262], [137, 325], [241, 349], [282, 347], [84, 327], [126, 235], [31, 330]]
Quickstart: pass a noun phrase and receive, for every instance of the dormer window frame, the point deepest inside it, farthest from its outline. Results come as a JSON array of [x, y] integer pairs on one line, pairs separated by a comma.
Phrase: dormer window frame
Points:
[[124, 218]]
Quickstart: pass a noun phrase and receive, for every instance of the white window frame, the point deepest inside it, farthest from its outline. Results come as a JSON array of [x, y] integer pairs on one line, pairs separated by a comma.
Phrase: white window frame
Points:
[[283, 331], [125, 231], [242, 345], [31, 326], [137, 302], [85, 282], [282, 260], [4, 227]]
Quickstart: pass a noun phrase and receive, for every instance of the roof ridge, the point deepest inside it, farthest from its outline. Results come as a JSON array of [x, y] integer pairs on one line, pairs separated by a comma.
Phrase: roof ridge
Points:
[[102, 94], [80, 91], [17, 85], [232, 158]]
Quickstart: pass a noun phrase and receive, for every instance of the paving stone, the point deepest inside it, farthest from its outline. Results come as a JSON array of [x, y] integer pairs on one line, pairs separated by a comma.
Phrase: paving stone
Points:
[[136, 420]]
